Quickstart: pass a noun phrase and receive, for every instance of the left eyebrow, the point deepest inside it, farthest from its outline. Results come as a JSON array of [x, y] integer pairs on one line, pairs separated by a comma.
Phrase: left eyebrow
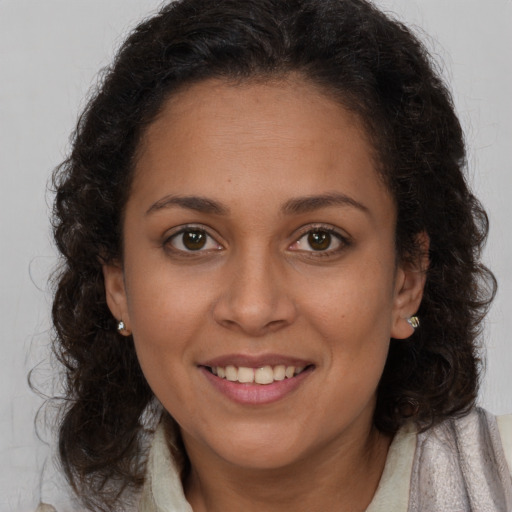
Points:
[[311, 203], [197, 203]]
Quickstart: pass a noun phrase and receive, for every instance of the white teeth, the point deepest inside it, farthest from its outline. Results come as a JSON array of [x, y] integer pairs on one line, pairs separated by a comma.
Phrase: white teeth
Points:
[[263, 375], [245, 374], [231, 373], [289, 372], [279, 372]]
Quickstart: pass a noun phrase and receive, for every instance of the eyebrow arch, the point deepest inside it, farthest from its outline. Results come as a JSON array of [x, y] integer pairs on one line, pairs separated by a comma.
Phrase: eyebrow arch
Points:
[[311, 203], [197, 203]]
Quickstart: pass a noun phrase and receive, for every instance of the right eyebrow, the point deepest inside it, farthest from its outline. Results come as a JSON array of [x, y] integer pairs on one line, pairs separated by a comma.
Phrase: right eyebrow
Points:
[[197, 203]]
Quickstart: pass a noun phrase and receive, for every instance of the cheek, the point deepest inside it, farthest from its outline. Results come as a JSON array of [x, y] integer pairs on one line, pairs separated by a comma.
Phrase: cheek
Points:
[[162, 342], [353, 314], [162, 302], [165, 316], [355, 301], [357, 335]]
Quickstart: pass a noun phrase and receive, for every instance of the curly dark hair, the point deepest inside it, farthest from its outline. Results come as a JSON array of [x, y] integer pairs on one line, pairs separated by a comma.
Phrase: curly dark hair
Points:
[[374, 66]]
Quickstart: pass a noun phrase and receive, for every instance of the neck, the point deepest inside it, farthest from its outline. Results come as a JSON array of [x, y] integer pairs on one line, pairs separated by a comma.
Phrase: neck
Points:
[[338, 477]]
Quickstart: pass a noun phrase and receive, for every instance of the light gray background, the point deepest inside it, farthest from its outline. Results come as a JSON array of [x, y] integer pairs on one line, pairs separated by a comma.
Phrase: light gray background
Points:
[[50, 52]]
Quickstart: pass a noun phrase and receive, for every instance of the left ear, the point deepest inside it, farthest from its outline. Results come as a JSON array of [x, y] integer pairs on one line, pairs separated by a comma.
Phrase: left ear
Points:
[[409, 285], [115, 294]]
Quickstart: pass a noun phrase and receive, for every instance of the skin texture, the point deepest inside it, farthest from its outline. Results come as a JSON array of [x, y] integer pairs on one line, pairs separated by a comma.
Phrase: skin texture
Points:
[[257, 287]]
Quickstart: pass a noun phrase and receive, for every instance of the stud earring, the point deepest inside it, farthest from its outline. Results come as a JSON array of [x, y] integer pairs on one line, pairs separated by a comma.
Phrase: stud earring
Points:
[[414, 322], [121, 328]]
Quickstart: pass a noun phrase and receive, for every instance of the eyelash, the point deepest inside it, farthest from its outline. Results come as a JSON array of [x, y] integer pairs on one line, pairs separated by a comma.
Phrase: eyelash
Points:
[[342, 240], [168, 243]]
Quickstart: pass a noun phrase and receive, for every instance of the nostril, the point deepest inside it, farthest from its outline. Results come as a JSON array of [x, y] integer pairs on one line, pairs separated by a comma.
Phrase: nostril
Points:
[[254, 302]]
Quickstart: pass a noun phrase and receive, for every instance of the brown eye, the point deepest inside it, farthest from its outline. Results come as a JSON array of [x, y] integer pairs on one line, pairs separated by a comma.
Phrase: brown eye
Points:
[[193, 239], [319, 240]]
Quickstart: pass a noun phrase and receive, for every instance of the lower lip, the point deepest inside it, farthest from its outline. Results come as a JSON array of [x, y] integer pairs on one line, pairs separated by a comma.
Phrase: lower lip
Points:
[[256, 394]]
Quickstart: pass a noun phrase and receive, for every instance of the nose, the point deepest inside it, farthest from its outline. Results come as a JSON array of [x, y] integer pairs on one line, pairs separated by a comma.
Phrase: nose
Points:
[[255, 298]]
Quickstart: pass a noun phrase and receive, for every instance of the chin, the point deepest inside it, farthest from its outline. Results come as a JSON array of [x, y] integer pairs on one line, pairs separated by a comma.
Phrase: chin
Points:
[[257, 450], [264, 458]]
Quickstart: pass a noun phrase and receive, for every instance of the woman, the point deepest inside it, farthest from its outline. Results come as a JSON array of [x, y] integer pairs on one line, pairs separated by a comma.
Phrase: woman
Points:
[[270, 252]]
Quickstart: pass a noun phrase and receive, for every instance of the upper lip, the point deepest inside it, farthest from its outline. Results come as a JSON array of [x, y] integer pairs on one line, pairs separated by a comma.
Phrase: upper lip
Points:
[[255, 361]]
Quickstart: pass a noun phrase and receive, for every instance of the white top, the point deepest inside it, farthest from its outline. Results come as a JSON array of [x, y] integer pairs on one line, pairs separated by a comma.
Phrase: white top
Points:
[[163, 491]]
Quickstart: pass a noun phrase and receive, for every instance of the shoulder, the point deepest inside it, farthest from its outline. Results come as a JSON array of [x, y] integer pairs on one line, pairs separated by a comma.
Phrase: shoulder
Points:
[[461, 464], [505, 430], [479, 431]]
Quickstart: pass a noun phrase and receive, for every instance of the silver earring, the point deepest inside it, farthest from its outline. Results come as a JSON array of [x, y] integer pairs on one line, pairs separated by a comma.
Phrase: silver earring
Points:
[[413, 321], [120, 326]]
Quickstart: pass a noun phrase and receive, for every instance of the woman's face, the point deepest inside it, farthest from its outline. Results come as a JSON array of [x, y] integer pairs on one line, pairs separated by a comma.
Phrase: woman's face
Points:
[[259, 244]]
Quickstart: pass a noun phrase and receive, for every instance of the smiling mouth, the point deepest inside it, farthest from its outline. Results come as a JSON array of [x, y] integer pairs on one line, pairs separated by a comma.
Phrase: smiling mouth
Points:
[[264, 375]]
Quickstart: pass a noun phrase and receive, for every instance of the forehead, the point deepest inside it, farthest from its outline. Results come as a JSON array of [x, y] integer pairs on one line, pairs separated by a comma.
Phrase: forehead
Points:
[[285, 137], [290, 107]]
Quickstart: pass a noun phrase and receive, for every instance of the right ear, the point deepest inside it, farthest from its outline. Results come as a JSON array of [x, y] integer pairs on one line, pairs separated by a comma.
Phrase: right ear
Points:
[[115, 292]]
